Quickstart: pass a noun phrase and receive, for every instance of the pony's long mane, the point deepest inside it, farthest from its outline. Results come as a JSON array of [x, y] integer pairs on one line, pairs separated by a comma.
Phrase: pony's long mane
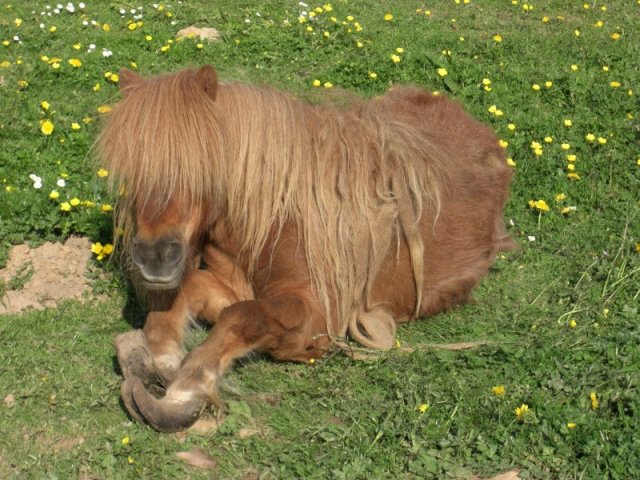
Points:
[[354, 183]]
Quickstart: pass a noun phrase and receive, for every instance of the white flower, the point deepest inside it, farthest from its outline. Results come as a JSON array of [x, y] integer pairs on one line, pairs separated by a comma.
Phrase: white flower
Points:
[[106, 53], [81, 5], [60, 182], [531, 238], [37, 181]]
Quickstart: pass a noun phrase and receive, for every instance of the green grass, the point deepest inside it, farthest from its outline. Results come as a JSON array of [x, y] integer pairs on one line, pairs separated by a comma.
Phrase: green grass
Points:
[[344, 418]]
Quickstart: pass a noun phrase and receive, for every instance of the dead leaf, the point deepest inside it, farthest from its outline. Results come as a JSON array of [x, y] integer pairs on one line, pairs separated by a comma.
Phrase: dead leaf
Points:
[[9, 400], [198, 458], [204, 33], [66, 444], [247, 432], [204, 426], [510, 475]]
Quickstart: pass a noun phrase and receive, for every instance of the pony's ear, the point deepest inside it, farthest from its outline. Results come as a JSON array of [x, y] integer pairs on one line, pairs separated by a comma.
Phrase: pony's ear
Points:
[[207, 78], [128, 78]]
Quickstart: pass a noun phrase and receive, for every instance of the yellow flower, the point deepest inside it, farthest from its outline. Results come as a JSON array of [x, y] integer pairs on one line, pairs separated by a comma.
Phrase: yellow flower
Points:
[[75, 126], [96, 87], [74, 202], [373, 75], [511, 126], [572, 323], [548, 139], [388, 17], [18, 22], [395, 58], [45, 105], [199, 46], [65, 206], [54, 194], [542, 206], [442, 72], [510, 162], [503, 143], [53, 29], [615, 84], [75, 63], [104, 109], [132, 26], [106, 27], [573, 176], [103, 173], [590, 137], [497, 38], [567, 123], [47, 127], [565, 146], [499, 390], [423, 407], [615, 36], [535, 87], [574, 68], [560, 197], [595, 403], [521, 411], [114, 77], [571, 425], [602, 140], [548, 84], [316, 83], [130, 460], [327, 85], [125, 441], [106, 207]]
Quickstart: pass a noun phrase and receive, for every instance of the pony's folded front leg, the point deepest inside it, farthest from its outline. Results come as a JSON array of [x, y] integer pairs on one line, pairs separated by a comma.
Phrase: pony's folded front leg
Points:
[[203, 295], [286, 327]]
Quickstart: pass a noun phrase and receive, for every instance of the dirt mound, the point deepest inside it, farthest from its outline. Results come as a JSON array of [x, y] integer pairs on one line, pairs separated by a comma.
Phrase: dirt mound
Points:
[[41, 277]]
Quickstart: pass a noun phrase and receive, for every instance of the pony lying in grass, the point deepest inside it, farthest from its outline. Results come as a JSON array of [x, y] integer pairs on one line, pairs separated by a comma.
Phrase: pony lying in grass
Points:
[[289, 227]]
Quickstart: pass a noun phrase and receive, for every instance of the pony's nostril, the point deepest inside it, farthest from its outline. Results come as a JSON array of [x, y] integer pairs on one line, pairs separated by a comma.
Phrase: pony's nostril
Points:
[[171, 252]]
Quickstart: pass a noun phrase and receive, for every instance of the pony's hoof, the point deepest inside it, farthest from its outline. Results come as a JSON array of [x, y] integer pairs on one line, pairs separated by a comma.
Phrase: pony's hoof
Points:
[[165, 414], [126, 393], [135, 360]]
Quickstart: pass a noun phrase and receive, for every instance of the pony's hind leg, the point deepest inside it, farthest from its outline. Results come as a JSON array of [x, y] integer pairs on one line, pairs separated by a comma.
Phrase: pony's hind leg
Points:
[[285, 327]]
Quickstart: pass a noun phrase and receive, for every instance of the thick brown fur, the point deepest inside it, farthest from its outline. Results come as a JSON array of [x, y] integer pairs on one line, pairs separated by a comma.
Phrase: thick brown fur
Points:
[[368, 214]]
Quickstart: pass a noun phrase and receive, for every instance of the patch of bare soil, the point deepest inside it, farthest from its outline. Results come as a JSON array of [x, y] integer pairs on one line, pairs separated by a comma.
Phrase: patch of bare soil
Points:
[[44, 276]]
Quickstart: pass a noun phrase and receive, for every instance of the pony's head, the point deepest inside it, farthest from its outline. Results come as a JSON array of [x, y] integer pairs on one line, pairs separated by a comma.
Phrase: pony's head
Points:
[[159, 142]]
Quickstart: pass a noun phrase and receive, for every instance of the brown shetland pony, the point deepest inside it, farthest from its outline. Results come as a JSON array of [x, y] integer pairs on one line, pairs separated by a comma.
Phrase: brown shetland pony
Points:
[[290, 227]]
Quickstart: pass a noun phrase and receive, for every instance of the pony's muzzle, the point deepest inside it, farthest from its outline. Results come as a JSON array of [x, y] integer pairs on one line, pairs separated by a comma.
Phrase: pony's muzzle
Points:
[[160, 261]]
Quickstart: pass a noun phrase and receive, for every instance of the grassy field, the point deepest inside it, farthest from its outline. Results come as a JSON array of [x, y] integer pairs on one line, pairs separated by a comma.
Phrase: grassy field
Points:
[[559, 82]]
